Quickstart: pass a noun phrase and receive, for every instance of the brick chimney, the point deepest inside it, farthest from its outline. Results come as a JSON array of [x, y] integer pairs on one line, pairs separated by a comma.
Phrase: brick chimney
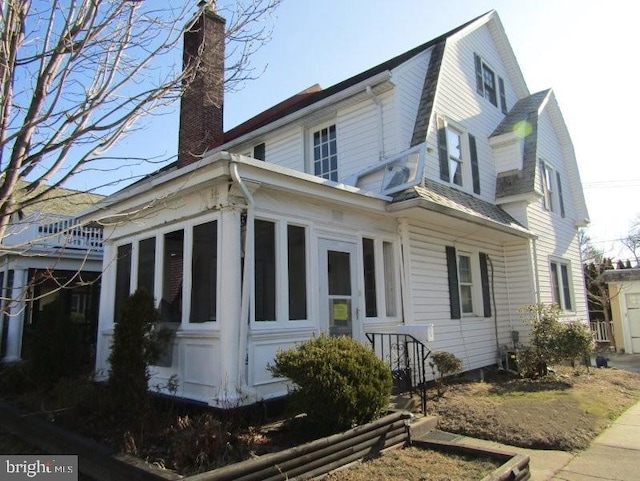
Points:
[[201, 105]]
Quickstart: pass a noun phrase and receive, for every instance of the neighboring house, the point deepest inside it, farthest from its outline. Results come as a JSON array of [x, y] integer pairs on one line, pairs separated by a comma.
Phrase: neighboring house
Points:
[[430, 191], [45, 257], [624, 291]]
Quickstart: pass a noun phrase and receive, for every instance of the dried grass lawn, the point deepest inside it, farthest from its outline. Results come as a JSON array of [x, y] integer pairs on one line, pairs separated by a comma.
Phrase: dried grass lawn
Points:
[[417, 464], [564, 411]]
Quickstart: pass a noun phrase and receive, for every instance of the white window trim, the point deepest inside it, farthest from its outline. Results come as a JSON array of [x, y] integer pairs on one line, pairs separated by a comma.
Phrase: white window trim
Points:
[[476, 282], [381, 282], [309, 144], [282, 320], [467, 180], [549, 187], [159, 234], [559, 262]]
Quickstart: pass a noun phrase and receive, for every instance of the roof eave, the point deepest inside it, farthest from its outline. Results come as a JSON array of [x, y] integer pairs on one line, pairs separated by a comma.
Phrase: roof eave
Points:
[[323, 103], [435, 207]]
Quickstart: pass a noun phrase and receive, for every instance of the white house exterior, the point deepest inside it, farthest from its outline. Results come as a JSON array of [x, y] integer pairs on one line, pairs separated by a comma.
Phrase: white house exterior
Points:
[[432, 191], [46, 256]]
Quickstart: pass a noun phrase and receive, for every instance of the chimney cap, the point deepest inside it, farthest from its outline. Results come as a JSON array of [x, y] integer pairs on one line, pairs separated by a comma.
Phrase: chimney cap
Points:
[[208, 5]]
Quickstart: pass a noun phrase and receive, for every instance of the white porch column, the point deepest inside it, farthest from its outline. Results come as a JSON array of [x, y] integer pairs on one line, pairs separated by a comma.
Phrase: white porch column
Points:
[[229, 302], [17, 307]]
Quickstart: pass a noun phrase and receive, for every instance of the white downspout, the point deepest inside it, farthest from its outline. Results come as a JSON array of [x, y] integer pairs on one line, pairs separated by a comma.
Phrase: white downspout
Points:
[[536, 275], [407, 306], [247, 274], [378, 103]]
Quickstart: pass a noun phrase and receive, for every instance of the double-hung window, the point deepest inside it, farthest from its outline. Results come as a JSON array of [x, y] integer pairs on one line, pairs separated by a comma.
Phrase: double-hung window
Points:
[[454, 151], [551, 187], [489, 85], [325, 153], [546, 175], [469, 287], [458, 156], [489, 81], [465, 283], [382, 268], [560, 285]]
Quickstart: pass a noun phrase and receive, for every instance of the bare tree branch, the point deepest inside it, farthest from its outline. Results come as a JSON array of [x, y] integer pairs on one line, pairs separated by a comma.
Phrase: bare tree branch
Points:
[[76, 76]]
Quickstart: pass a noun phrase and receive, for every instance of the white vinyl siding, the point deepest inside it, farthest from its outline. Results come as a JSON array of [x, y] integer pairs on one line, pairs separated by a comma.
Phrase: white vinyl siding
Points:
[[470, 338], [458, 101], [557, 235]]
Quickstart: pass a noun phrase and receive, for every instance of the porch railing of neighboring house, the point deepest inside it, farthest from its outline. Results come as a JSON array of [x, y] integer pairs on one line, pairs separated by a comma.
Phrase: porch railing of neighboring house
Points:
[[406, 357], [601, 331], [66, 232]]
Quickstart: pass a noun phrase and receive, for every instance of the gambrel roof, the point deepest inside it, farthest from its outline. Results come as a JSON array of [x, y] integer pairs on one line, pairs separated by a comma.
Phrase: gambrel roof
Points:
[[508, 185]]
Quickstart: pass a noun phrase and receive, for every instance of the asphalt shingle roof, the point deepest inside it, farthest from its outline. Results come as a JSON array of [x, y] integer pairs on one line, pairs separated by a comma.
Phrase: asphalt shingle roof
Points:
[[450, 198], [522, 181]]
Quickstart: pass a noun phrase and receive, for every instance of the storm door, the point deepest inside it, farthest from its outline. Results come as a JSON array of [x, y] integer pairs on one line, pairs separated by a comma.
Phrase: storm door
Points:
[[338, 288]]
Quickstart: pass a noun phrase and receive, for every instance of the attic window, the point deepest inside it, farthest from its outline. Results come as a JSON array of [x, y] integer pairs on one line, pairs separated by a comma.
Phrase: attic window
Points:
[[259, 152], [487, 85]]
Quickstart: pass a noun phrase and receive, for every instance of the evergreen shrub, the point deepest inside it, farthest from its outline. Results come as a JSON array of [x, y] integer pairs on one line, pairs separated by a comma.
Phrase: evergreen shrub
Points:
[[138, 342], [339, 382]]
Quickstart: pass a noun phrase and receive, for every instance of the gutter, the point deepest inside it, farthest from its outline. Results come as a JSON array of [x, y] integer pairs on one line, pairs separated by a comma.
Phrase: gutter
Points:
[[435, 207], [341, 95]]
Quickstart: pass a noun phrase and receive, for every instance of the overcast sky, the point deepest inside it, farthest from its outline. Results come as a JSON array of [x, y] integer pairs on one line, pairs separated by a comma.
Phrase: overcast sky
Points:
[[585, 50]]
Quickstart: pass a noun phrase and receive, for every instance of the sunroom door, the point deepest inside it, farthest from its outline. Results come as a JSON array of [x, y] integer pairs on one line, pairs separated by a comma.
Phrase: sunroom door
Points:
[[338, 288]]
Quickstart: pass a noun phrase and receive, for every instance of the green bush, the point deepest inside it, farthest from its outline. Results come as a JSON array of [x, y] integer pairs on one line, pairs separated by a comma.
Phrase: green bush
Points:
[[339, 382], [137, 343], [446, 364], [552, 341], [576, 341]]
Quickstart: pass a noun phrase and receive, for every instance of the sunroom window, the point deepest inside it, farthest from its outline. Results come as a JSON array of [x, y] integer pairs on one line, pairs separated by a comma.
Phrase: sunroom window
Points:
[[204, 272], [171, 304]]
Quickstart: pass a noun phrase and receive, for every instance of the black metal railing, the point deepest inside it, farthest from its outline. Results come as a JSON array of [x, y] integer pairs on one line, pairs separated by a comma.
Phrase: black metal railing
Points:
[[406, 357]]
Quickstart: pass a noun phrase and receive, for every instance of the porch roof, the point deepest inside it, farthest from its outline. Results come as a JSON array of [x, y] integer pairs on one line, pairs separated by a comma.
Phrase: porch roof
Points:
[[438, 197]]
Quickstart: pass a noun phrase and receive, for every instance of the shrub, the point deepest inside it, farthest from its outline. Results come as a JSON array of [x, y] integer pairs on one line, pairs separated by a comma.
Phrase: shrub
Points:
[[137, 343], [201, 442], [339, 382], [551, 340], [576, 341], [447, 364]]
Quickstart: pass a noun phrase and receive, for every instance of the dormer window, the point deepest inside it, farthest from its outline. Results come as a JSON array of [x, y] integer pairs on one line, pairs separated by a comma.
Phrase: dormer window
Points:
[[458, 156], [454, 151], [551, 187]]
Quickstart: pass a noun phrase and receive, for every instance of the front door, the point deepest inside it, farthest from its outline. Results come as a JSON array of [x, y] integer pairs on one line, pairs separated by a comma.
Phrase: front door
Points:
[[633, 313], [338, 288]]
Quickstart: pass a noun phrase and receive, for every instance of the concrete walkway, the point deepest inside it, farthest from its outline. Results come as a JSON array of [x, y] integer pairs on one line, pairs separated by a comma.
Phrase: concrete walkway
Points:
[[614, 455]]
